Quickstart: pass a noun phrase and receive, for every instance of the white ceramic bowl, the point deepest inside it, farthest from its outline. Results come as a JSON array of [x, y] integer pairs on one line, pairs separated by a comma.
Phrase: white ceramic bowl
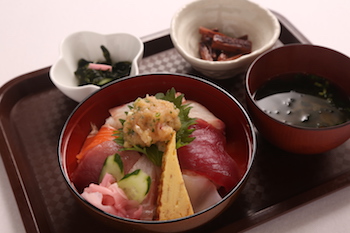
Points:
[[122, 47], [232, 17]]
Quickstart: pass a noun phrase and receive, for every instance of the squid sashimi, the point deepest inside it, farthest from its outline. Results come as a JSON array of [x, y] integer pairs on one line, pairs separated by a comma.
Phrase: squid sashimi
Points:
[[206, 156], [108, 197]]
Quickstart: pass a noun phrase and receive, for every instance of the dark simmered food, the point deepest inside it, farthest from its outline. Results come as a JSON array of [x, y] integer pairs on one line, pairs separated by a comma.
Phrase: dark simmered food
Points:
[[216, 46]]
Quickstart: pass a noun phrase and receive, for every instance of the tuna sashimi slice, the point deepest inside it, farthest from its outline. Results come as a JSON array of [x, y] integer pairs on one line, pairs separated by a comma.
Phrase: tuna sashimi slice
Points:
[[206, 156]]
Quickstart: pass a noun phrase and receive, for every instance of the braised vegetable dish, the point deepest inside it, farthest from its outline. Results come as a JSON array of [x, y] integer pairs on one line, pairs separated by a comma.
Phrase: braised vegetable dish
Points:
[[216, 46]]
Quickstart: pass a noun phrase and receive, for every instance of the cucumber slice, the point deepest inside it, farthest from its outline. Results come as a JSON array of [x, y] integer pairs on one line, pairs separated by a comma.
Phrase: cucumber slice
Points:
[[114, 166], [136, 185]]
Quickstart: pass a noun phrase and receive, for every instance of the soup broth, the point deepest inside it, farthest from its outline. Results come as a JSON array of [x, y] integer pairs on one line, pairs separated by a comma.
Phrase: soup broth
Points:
[[305, 100]]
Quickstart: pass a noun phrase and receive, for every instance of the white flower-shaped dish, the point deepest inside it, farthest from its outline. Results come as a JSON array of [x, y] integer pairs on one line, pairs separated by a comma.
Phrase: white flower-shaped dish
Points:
[[232, 17], [121, 46]]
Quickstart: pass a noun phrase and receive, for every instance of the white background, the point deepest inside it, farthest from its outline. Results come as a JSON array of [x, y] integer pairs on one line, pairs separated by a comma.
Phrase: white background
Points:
[[31, 31]]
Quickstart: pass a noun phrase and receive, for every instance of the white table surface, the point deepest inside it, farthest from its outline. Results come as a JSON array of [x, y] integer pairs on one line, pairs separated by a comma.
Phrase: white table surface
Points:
[[31, 31]]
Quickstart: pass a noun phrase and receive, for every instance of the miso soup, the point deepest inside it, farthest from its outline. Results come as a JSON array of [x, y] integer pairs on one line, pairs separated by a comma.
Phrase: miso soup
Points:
[[305, 100]]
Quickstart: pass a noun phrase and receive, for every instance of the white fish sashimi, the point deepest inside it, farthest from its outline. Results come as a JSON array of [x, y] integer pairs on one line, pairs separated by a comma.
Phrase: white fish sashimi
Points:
[[118, 113], [199, 111], [202, 192]]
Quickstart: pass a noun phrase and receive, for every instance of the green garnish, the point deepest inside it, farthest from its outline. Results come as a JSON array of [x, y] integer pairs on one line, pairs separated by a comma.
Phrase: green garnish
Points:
[[183, 135], [106, 55], [101, 77], [135, 173]]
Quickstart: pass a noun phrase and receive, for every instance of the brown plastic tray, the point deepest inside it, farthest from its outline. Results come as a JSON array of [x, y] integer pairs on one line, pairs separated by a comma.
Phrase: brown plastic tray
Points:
[[33, 111]]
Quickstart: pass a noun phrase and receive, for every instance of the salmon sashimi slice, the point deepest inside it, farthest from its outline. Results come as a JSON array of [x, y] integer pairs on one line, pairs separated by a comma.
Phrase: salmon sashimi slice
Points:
[[106, 133]]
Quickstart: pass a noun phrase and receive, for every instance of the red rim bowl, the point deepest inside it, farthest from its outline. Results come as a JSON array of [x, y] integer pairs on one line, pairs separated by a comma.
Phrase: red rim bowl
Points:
[[239, 132], [295, 58]]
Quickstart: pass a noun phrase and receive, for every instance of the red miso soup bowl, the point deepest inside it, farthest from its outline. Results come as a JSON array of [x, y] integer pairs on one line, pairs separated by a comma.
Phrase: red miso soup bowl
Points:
[[240, 140], [298, 58]]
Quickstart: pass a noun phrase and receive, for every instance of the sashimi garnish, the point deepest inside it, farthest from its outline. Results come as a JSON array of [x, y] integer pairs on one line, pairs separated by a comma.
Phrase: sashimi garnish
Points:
[[183, 134], [108, 197]]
